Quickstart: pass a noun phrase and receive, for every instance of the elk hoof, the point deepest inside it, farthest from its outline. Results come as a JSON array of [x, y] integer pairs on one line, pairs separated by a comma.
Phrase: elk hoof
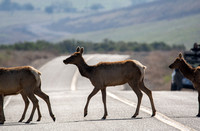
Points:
[[54, 119], [38, 119], [103, 118], [134, 115], [85, 114], [28, 121], [198, 115], [154, 113], [2, 121], [20, 120]]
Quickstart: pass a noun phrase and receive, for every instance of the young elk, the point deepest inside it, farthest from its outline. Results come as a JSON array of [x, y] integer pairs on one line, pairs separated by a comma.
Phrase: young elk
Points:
[[189, 72], [111, 74], [26, 81]]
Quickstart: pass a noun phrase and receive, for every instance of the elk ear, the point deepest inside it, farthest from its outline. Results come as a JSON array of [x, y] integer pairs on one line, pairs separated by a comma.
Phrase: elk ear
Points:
[[78, 49], [82, 49], [180, 55]]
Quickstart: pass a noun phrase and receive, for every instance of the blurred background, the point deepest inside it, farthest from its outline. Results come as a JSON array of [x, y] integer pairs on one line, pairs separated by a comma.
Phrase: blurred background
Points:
[[33, 32]]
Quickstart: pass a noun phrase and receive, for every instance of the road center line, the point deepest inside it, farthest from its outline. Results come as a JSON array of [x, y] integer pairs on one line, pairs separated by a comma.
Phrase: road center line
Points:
[[7, 101], [161, 117]]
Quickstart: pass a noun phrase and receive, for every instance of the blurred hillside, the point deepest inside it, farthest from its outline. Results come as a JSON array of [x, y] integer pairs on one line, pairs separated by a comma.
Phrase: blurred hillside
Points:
[[145, 13], [170, 21], [83, 5]]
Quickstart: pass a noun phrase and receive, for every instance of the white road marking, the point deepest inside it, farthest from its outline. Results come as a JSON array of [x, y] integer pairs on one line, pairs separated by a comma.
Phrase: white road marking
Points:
[[161, 117], [7, 102]]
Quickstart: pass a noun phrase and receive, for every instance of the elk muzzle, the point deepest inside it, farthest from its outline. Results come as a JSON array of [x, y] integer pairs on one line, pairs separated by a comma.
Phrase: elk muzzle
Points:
[[171, 66], [65, 62]]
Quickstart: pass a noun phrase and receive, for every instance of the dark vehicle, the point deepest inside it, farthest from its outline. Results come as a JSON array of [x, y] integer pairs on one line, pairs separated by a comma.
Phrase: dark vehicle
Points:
[[193, 58]]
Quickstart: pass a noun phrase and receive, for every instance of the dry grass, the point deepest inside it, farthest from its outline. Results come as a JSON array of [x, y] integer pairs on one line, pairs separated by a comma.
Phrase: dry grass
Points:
[[20, 58], [158, 74]]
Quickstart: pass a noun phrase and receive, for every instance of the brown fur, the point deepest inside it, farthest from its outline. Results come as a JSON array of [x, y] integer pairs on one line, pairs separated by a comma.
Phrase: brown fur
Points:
[[26, 81], [111, 74], [189, 72]]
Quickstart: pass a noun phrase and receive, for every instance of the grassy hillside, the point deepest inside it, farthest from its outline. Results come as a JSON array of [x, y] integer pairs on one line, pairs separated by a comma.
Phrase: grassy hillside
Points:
[[180, 31], [23, 17], [79, 4], [171, 21], [145, 13], [21, 25]]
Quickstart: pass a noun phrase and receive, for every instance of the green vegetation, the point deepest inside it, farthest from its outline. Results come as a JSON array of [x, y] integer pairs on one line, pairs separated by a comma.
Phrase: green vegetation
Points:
[[167, 78], [68, 46]]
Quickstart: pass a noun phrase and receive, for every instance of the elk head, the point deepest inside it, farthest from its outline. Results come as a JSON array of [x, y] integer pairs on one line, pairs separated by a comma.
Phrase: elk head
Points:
[[176, 64], [75, 57]]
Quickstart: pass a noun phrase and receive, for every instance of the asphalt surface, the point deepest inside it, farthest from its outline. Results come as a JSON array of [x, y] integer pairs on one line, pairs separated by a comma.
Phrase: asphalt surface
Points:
[[176, 110]]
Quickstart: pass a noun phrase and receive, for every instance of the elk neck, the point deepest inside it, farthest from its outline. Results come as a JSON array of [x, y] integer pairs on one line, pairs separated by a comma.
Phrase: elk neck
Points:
[[84, 69], [187, 70]]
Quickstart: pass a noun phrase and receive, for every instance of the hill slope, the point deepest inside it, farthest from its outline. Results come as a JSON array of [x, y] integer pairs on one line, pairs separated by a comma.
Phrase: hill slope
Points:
[[177, 31], [171, 21], [145, 13]]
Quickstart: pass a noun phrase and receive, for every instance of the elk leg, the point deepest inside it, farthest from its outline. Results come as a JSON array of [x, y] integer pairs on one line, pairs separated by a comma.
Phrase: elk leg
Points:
[[139, 94], [26, 101], [39, 113], [198, 115], [103, 91], [2, 117], [95, 90], [34, 100], [46, 99], [149, 94]]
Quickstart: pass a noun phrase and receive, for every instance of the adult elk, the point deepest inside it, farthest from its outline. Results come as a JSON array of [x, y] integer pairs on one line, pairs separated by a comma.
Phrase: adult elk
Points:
[[111, 74], [189, 72], [25, 80]]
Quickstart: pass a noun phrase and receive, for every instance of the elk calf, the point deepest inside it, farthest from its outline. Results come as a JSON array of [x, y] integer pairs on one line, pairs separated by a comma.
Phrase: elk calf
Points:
[[111, 74], [189, 72], [24, 80]]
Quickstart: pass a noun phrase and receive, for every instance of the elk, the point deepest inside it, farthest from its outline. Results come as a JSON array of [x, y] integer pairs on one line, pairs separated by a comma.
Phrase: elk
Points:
[[111, 74], [193, 74], [26, 81]]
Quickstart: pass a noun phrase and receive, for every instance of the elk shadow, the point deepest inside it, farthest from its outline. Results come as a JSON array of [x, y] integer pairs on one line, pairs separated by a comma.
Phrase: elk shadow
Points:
[[17, 124], [115, 119], [185, 117]]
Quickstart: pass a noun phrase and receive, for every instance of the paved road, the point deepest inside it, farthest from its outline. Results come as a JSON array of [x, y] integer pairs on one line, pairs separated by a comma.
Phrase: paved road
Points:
[[176, 110]]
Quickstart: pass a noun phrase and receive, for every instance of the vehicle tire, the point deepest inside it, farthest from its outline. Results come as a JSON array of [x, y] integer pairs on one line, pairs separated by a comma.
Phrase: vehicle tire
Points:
[[173, 87]]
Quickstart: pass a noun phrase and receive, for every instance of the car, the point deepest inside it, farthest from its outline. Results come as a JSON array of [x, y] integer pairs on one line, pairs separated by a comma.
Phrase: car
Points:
[[179, 81]]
